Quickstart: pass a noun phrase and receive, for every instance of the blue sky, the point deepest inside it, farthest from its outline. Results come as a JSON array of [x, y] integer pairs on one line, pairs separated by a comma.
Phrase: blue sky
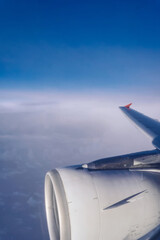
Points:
[[79, 44]]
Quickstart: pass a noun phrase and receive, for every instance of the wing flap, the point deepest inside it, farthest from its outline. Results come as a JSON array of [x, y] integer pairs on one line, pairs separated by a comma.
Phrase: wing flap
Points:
[[139, 160]]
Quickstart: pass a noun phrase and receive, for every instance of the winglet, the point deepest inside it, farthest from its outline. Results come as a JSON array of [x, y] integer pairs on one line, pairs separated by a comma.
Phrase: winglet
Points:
[[128, 105]]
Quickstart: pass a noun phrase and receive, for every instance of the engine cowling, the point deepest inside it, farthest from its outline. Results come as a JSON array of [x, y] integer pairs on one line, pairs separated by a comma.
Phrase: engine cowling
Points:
[[97, 205]]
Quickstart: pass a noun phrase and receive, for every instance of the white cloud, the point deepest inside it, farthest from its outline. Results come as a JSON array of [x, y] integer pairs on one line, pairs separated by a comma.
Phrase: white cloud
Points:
[[6, 174], [33, 202], [60, 128], [19, 194]]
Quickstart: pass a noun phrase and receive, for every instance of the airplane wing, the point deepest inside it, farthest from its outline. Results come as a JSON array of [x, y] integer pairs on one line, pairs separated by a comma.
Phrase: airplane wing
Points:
[[140, 160], [148, 125]]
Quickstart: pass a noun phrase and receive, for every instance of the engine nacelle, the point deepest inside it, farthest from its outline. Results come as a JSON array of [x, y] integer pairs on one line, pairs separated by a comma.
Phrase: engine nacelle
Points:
[[100, 205]]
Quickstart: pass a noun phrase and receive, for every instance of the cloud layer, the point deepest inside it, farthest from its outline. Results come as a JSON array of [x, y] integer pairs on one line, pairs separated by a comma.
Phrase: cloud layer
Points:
[[84, 126]]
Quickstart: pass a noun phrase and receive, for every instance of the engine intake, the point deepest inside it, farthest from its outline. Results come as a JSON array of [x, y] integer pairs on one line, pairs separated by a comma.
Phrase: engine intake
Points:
[[108, 204]]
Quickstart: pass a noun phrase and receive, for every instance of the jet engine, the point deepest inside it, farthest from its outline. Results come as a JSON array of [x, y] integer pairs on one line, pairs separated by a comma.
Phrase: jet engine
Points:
[[84, 204]]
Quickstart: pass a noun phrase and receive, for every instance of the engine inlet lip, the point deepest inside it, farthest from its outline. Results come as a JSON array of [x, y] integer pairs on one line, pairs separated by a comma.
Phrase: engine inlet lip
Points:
[[56, 207]]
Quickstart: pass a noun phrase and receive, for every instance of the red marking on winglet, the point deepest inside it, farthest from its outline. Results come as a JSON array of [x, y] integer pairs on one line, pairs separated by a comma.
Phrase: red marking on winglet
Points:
[[128, 106]]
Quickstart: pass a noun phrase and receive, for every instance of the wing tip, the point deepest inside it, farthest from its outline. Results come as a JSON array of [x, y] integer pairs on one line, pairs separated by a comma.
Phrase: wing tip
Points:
[[128, 105]]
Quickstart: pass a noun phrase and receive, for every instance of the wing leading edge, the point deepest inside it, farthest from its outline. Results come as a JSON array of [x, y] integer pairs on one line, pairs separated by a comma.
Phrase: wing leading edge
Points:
[[148, 125]]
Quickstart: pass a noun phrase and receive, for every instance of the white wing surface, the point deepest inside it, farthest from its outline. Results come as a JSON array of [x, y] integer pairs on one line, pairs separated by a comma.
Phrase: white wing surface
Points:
[[148, 125]]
